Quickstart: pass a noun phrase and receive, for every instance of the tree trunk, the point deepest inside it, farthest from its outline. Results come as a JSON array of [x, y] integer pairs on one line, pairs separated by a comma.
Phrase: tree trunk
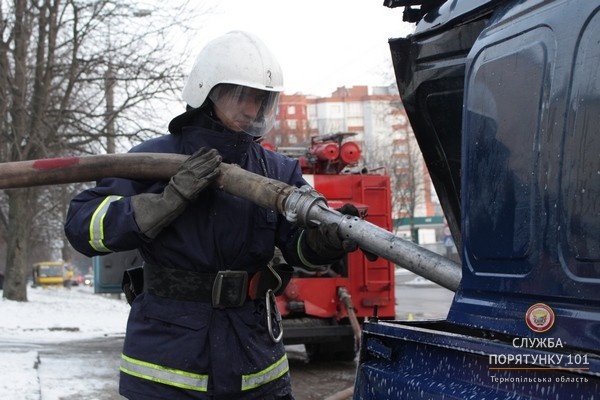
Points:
[[17, 260], [53, 55]]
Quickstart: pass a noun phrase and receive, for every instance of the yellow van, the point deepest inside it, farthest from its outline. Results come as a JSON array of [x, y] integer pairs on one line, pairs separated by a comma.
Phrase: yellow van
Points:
[[49, 273]]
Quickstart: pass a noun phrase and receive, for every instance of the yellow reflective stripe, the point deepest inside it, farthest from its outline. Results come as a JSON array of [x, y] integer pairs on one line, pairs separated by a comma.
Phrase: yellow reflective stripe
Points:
[[164, 375], [269, 374], [301, 256], [97, 224]]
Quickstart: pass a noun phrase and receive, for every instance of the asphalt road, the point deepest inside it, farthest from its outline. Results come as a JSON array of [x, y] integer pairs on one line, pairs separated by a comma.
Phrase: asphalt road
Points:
[[99, 358], [424, 300], [329, 380]]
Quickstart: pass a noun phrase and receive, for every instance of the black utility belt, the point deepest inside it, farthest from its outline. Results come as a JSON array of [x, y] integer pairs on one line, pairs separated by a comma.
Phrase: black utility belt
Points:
[[222, 289]]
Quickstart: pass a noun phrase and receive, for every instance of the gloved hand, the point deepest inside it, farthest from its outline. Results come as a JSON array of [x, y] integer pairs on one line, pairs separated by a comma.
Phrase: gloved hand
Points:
[[350, 209], [327, 243], [154, 211]]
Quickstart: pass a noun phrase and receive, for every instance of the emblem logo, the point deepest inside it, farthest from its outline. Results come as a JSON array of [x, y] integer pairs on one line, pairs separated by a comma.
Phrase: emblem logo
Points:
[[539, 317]]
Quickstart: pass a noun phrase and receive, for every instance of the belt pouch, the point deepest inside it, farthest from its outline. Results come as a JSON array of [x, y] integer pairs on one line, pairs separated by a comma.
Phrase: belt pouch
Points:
[[132, 283]]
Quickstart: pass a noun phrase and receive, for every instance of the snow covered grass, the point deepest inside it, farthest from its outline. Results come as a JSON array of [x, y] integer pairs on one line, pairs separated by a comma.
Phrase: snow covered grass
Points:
[[55, 315], [59, 314]]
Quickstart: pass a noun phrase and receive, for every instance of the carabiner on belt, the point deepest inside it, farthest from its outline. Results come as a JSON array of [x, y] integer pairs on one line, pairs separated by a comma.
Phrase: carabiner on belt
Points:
[[270, 302]]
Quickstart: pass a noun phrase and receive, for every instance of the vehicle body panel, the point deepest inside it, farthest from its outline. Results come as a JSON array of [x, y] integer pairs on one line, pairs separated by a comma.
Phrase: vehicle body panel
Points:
[[504, 101]]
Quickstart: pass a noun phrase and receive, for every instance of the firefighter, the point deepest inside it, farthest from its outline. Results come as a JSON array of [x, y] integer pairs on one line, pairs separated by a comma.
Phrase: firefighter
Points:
[[205, 325]]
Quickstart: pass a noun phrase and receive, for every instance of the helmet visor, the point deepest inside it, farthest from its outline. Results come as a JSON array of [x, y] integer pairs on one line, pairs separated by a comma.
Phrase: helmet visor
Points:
[[245, 109]]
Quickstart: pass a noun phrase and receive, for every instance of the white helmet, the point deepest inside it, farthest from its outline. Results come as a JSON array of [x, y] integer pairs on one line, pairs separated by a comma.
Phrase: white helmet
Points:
[[236, 58]]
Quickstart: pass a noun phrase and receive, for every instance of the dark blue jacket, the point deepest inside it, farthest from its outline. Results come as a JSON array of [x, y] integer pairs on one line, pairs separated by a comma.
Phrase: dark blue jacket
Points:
[[182, 349]]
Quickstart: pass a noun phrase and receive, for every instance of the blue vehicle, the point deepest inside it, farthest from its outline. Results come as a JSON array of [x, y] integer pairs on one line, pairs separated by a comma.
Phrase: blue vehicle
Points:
[[504, 100]]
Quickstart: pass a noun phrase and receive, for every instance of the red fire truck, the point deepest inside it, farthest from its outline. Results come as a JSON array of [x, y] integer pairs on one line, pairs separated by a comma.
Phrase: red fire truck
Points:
[[323, 310]]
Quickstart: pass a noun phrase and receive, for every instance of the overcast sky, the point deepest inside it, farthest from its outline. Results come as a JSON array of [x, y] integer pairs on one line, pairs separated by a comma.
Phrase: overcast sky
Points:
[[320, 44]]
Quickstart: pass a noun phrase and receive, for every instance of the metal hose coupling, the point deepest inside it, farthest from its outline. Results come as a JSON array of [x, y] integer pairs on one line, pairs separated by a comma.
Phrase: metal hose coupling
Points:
[[299, 203]]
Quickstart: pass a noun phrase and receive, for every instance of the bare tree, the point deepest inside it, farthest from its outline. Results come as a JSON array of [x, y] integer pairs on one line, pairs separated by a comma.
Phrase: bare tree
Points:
[[76, 76], [409, 179], [392, 143]]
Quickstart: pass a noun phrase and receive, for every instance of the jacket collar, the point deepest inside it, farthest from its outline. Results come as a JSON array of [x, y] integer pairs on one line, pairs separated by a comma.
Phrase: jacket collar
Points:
[[205, 131]]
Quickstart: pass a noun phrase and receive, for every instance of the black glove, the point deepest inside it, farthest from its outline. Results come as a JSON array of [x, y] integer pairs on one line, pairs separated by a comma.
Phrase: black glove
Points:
[[196, 173], [327, 243], [350, 209], [154, 211]]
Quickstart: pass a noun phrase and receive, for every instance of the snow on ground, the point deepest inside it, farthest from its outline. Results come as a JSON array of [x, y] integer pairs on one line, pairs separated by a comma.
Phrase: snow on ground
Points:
[[51, 315], [19, 378], [58, 314]]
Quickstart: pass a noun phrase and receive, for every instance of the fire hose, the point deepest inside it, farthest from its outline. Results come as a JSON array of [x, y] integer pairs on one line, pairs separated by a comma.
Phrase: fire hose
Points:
[[303, 206], [346, 299]]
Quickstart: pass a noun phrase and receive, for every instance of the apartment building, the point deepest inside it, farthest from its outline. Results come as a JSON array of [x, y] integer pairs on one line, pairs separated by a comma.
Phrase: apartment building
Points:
[[377, 119]]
